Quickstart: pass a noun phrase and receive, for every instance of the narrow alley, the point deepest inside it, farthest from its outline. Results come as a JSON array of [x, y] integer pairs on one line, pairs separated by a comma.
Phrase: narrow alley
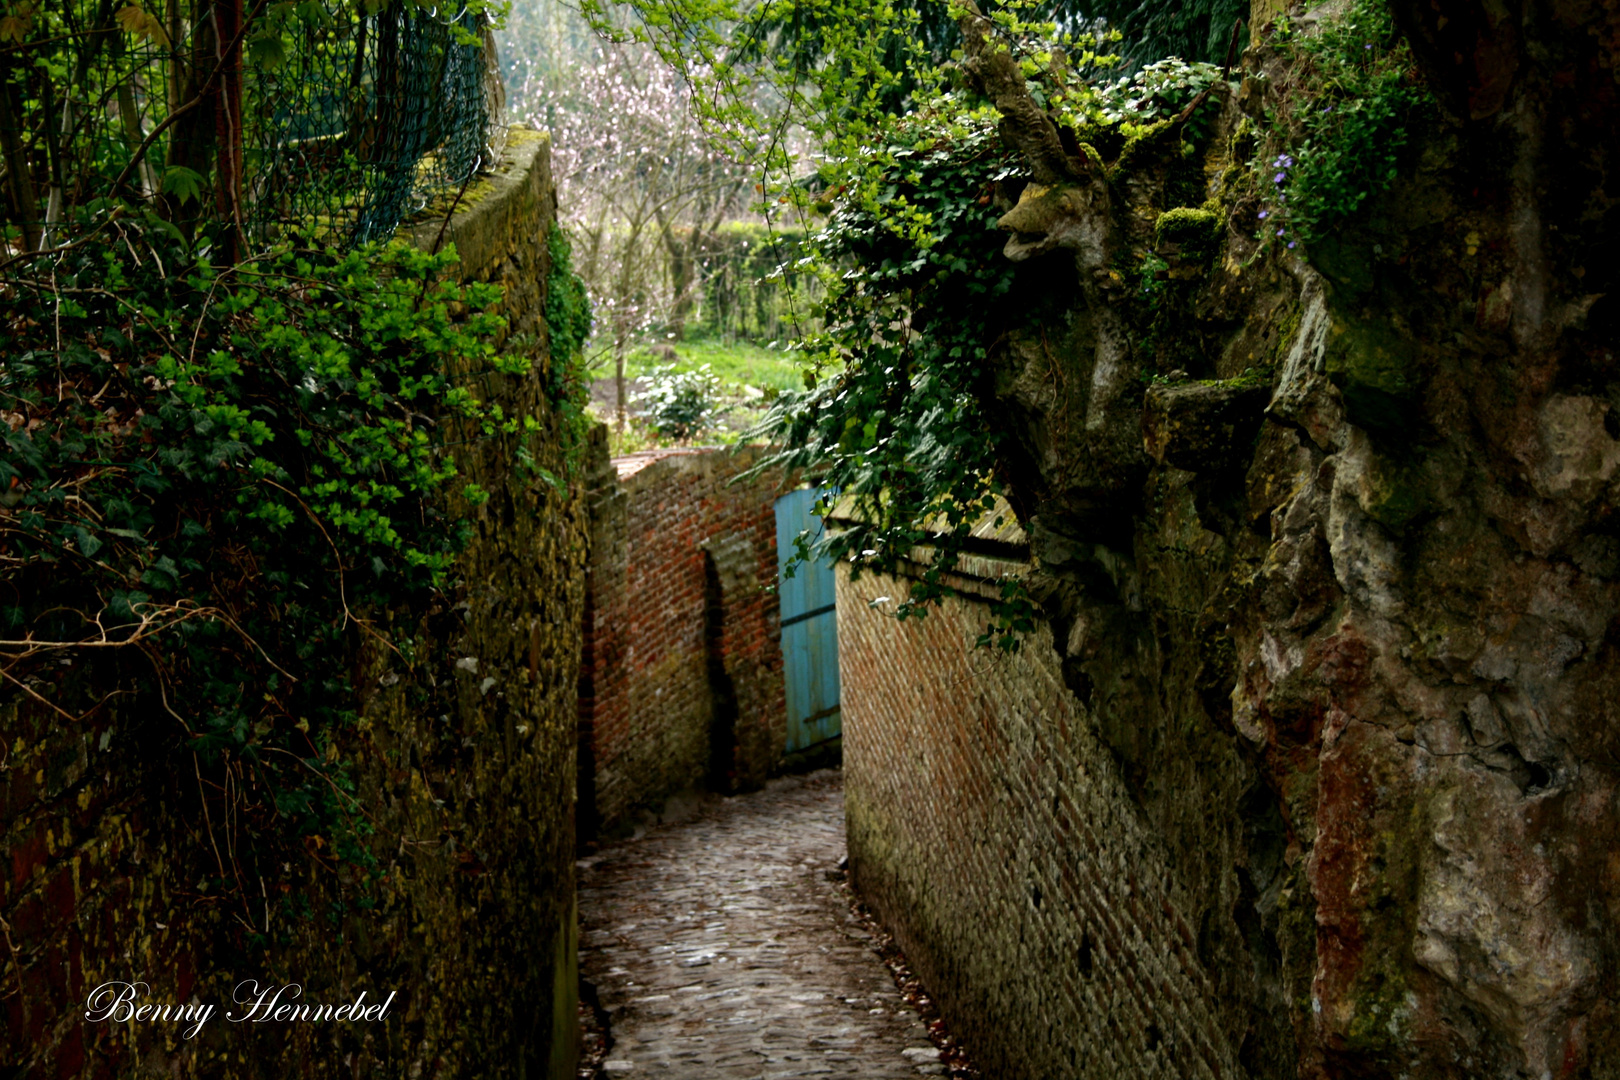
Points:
[[722, 947]]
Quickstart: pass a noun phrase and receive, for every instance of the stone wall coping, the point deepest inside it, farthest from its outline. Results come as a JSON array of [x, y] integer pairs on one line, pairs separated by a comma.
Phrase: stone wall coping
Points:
[[632, 465], [484, 218]]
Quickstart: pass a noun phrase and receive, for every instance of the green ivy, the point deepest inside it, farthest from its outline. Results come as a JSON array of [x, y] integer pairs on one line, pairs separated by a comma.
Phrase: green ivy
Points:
[[568, 325], [915, 289], [568, 307], [1336, 140], [224, 476]]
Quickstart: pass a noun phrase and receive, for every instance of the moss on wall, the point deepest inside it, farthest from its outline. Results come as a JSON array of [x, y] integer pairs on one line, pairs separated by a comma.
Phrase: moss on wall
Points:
[[463, 763], [1328, 617]]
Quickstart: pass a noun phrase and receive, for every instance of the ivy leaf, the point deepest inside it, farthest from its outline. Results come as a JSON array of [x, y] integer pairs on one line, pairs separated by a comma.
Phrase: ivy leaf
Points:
[[183, 183], [141, 23], [167, 228], [15, 27], [87, 543], [123, 603], [313, 13], [267, 51], [163, 574]]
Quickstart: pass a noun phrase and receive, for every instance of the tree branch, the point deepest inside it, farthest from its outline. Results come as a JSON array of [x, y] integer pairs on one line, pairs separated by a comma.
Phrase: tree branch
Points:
[[998, 77]]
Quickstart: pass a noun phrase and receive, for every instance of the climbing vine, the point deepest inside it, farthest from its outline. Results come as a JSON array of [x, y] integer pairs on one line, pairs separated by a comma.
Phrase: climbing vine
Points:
[[917, 293], [891, 414], [568, 325], [1335, 140], [215, 479]]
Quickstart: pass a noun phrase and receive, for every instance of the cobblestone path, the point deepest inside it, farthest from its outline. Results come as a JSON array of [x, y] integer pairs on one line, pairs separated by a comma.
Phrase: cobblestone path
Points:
[[722, 948]]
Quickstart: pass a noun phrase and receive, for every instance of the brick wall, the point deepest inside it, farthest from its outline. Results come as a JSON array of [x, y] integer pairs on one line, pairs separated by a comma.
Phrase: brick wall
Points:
[[466, 770], [989, 827], [682, 681]]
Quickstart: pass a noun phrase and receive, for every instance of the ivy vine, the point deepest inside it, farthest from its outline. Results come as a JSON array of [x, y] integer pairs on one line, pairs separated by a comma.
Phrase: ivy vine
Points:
[[214, 479]]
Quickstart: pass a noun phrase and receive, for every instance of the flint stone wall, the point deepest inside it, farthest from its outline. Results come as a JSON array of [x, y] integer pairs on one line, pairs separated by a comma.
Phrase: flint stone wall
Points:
[[467, 773]]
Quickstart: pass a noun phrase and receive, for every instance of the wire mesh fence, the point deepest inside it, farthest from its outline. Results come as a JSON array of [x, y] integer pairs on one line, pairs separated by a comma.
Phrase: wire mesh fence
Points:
[[321, 118], [369, 118]]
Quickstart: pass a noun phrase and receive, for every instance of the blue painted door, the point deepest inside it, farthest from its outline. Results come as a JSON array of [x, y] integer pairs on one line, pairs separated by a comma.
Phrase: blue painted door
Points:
[[809, 628]]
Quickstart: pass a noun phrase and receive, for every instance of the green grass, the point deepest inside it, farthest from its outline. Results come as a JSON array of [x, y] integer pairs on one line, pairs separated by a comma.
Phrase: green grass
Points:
[[739, 362], [736, 364]]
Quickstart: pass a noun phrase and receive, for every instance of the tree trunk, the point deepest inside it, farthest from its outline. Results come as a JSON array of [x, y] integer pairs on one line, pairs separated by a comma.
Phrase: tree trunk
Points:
[[24, 204], [228, 128], [619, 413], [191, 139], [56, 205], [681, 275]]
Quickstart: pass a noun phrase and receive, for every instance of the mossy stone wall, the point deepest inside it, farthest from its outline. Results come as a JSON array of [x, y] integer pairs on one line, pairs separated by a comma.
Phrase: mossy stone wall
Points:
[[464, 765], [1329, 612]]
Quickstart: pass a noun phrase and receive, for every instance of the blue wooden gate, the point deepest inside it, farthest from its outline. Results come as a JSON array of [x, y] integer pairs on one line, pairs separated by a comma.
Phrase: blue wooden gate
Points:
[[809, 628]]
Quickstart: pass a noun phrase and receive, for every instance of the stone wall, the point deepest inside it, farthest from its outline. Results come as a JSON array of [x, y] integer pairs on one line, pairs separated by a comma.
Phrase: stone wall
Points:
[[464, 763], [1321, 720], [682, 681]]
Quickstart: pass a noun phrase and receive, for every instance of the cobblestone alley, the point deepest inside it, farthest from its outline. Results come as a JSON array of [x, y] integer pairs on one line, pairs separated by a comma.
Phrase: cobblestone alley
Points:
[[722, 947]]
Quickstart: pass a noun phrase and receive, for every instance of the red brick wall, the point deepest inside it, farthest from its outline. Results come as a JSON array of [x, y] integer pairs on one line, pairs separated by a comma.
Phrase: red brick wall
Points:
[[682, 685], [990, 829]]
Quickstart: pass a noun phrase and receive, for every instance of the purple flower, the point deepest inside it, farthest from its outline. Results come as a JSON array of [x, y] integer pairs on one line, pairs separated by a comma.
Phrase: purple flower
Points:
[[1262, 215], [1279, 178], [1279, 232], [1291, 245]]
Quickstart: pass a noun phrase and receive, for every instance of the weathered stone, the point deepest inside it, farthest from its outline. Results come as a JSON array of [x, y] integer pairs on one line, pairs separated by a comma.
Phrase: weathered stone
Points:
[[464, 765], [1336, 695], [1202, 427]]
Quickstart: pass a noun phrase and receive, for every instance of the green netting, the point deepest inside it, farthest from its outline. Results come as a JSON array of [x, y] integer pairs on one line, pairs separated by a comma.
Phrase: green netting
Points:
[[367, 119]]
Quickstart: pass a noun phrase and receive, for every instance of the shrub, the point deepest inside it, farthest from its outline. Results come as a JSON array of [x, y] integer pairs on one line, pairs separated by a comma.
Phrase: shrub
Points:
[[681, 404], [1337, 143]]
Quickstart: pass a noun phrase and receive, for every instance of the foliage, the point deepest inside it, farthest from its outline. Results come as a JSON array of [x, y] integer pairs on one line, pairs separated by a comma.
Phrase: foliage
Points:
[[307, 114], [1157, 92], [1336, 140], [913, 36], [568, 306], [225, 471], [748, 286], [1149, 30], [738, 363], [568, 326], [681, 404], [916, 289], [229, 451]]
